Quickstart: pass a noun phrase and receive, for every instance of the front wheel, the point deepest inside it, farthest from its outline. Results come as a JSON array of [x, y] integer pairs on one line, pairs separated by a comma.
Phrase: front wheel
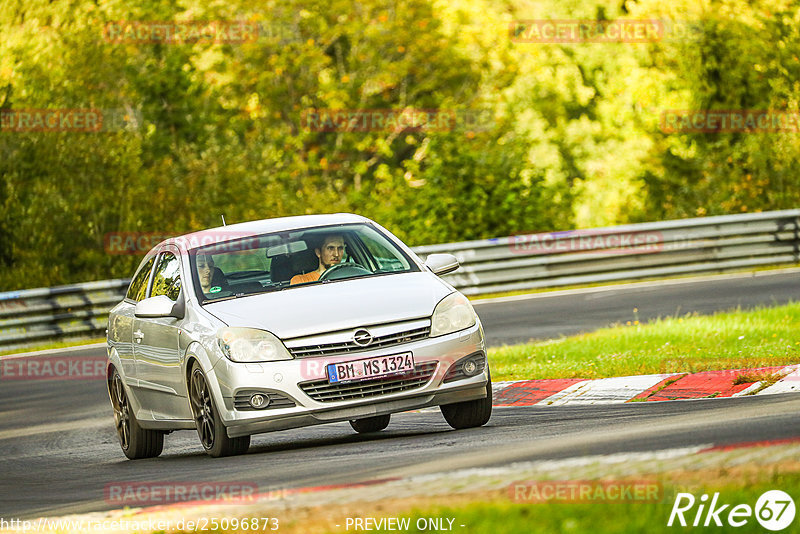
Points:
[[469, 414], [136, 442], [212, 432], [370, 424]]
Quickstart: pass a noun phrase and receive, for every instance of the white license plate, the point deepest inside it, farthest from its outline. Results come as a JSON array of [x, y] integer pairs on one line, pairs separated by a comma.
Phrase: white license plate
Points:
[[370, 367]]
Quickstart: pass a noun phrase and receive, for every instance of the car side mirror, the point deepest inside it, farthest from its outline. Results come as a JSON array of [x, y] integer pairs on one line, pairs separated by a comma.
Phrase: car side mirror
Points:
[[160, 306], [179, 306], [441, 263]]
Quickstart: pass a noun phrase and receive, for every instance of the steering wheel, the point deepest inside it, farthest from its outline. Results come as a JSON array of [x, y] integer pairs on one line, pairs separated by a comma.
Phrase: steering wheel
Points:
[[343, 270]]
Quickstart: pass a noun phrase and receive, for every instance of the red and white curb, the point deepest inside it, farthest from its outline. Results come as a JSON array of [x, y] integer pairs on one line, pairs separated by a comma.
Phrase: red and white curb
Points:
[[658, 387]]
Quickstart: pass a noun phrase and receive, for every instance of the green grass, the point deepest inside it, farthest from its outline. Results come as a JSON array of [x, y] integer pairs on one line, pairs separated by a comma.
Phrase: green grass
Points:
[[53, 345], [552, 517], [741, 339]]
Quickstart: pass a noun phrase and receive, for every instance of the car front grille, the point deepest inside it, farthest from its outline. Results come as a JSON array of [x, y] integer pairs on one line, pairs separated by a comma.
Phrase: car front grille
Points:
[[329, 349], [241, 401], [322, 391]]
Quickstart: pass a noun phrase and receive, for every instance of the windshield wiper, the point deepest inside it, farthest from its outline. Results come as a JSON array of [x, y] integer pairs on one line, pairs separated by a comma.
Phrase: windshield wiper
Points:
[[356, 277]]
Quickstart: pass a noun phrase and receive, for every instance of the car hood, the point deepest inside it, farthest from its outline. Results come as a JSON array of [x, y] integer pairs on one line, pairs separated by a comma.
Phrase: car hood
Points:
[[336, 305]]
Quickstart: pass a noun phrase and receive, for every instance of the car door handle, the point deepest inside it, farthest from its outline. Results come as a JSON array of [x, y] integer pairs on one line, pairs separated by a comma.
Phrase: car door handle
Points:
[[138, 336]]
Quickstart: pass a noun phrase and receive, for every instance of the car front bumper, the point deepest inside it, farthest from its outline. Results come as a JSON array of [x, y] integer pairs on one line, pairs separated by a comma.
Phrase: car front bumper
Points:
[[286, 378]]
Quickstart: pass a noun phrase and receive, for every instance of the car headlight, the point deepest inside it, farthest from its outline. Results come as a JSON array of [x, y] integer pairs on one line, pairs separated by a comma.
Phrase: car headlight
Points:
[[452, 314], [251, 345]]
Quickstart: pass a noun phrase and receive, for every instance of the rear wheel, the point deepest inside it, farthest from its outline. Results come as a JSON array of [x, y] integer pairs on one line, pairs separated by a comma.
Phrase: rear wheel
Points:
[[469, 414], [370, 424], [212, 433], [136, 442]]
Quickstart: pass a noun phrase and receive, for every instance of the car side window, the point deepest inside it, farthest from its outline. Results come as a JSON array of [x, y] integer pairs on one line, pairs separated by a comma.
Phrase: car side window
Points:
[[167, 280], [138, 288]]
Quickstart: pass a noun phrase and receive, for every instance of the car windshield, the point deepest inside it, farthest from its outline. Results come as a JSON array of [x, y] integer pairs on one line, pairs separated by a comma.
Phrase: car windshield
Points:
[[273, 262]]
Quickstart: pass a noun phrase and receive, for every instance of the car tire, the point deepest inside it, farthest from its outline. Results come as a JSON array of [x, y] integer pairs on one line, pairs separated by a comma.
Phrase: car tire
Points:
[[135, 441], [469, 414], [370, 424], [212, 432]]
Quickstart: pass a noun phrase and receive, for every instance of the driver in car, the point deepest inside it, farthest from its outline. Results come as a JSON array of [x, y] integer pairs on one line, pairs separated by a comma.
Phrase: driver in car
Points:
[[205, 271], [212, 280], [330, 253]]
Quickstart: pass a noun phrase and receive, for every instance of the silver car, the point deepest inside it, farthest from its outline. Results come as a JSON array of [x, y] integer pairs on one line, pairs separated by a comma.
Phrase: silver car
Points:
[[289, 322]]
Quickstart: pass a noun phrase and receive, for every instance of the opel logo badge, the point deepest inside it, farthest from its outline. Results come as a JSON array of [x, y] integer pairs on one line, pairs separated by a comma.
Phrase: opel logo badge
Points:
[[362, 337]]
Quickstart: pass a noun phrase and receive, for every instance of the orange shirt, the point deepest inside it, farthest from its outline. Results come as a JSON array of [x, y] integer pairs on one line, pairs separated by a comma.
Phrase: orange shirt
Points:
[[313, 276]]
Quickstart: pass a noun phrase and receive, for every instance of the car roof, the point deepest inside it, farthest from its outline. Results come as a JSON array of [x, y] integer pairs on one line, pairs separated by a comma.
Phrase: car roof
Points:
[[253, 228]]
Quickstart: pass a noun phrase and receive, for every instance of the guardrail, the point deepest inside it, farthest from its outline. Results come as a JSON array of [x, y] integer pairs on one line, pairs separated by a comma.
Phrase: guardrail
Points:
[[519, 262], [649, 250], [77, 311]]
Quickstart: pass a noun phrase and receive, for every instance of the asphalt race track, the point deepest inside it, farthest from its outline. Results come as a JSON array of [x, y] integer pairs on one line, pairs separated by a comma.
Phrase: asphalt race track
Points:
[[58, 449]]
